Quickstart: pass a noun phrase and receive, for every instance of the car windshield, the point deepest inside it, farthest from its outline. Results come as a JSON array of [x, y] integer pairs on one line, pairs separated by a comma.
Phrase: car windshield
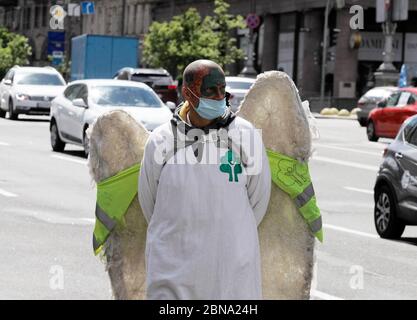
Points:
[[240, 85], [44, 79], [124, 96]]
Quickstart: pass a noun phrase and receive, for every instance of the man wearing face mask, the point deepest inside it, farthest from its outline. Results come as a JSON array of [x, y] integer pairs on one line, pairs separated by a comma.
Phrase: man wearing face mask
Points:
[[203, 196]]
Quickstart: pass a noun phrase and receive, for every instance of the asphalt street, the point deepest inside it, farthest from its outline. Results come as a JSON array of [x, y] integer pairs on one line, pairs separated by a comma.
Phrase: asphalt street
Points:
[[47, 203]]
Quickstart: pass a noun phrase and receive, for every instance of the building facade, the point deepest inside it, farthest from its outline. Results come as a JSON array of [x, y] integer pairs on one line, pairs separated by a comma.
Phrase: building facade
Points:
[[290, 36]]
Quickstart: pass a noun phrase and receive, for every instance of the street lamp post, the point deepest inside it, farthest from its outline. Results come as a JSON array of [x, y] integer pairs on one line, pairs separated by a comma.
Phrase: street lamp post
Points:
[[249, 70], [387, 74], [324, 52]]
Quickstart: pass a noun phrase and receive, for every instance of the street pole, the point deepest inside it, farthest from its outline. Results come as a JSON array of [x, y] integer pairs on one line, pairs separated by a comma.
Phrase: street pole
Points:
[[324, 52], [249, 70], [122, 33], [387, 74]]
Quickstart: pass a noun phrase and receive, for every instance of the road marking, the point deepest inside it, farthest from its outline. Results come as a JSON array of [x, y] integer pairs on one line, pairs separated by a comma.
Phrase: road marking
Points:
[[348, 149], [55, 219], [91, 221], [4, 144], [358, 233], [346, 163], [359, 190], [325, 296], [7, 194], [69, 159]]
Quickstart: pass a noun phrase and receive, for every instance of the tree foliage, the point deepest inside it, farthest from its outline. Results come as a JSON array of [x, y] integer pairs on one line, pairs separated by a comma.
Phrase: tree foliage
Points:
[[14, 50], [64, 68], [223, 23], [187, 37]]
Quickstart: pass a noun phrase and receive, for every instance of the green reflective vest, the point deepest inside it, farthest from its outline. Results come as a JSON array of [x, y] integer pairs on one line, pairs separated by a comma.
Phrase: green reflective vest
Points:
[[293, 177], [114, 196]]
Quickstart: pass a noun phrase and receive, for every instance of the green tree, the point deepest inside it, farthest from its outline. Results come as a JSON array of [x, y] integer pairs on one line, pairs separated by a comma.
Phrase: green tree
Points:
[[172, 45], [187, 37], [223, 23], [14, 50]]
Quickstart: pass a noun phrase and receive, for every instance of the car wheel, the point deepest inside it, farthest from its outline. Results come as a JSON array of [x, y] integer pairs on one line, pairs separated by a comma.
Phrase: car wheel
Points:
[[12, 114], [57, 144], [86, 143], [385, 216], [363, 122], [370, 131]]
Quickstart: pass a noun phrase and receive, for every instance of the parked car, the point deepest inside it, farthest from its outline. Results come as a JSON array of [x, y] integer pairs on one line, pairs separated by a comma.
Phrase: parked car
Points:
[[29, 90], [370, 100], [237, 87], [386, 120], [395, 191], [83, 101], [158, 79]]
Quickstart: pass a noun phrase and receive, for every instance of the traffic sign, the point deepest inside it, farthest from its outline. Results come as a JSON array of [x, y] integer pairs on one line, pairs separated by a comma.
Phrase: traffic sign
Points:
[[87, 7], [74, 9], [57, 57], [253, 21]]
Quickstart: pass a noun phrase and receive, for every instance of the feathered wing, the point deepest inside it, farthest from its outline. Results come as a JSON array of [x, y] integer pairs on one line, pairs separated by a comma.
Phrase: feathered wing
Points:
[[287, 246], [117, 142]]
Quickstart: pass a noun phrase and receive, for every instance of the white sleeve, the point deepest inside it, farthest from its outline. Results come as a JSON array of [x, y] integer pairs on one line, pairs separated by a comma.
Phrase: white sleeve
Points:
[[150, 171], [259, 188]]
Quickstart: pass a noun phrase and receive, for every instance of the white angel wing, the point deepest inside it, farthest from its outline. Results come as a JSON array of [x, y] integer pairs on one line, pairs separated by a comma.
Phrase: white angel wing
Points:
[[117, 142], [274, 106]]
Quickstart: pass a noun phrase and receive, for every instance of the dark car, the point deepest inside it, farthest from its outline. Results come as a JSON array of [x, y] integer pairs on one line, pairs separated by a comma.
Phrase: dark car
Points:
[[158, 79], [369, 101], [395, 191]]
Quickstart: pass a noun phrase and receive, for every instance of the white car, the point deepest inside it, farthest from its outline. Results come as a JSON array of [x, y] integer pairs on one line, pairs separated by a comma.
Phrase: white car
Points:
[[83, 101], [29, 90], [237, 87]]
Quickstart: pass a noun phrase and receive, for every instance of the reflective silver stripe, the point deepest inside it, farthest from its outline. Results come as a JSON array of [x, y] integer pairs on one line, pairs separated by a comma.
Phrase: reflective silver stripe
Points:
[[96, 245], [316, 225], [108, 222], [305, 196]]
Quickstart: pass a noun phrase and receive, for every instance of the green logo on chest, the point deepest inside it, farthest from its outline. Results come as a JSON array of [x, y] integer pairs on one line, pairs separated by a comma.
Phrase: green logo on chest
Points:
[[230, 164]]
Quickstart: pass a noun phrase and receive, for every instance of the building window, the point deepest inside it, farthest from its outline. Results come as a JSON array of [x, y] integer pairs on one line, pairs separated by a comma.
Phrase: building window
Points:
[[38, 17], [45, 16], [26, 19]]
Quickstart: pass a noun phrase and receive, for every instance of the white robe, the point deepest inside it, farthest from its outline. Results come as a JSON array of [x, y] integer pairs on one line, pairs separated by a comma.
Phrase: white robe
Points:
[[202, 239]]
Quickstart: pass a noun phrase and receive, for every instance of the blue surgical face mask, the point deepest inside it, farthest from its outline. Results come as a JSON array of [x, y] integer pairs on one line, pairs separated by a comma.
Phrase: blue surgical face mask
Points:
[[209, 108]]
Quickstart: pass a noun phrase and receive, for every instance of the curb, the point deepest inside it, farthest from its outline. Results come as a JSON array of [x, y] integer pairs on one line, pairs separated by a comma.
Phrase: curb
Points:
[[319, 116]]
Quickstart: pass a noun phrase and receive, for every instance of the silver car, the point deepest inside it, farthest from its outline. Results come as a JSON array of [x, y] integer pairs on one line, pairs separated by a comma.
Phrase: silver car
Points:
[[237, 87], [29, 90], [83, 101], [370, 100]]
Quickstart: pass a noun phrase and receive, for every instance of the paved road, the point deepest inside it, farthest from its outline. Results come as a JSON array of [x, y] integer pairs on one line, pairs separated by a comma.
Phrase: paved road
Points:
[[353, 262], [47, 205], [46, 228]]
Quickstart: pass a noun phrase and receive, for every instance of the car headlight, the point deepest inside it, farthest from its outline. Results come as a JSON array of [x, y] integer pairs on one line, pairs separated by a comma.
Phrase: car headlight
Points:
[[21, 96]]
